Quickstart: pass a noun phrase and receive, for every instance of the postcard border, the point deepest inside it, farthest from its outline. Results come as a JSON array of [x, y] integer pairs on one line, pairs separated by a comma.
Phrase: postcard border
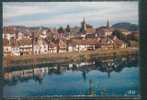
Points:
[[143, 56]]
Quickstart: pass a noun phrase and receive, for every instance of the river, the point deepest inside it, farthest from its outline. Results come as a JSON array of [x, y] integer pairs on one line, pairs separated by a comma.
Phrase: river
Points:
[[109, 77]]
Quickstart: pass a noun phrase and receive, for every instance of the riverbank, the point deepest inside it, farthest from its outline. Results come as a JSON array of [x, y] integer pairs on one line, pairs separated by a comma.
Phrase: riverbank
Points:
[[31, 60]]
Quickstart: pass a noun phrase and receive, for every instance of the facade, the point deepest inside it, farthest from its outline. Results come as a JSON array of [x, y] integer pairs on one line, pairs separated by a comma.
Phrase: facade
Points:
[[6, 47], [25, 46], [7, 50], [62, 46], [52, 48], [104, 31], [15, 51], [119, 43], [40, 47], [25, 50], [87, 44], [19, 36], [76, 39]]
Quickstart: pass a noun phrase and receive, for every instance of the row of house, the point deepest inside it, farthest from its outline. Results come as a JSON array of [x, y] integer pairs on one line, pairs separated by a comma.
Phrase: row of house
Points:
[[26, 47], [39, 41]]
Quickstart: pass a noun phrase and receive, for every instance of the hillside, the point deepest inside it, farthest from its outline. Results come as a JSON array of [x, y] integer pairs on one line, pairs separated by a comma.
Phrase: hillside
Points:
[[126, 25]]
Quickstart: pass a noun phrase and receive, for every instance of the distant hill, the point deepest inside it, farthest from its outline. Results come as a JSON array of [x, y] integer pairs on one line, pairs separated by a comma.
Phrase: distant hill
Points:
[[126, 25]]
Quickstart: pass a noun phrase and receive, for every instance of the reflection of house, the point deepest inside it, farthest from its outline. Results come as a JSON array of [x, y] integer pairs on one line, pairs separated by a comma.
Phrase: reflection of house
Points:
[[26, 74], [40, 72], [8, 76]]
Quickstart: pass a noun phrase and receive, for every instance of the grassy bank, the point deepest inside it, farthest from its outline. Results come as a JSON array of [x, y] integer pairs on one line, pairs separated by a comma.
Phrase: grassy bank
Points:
[[66, 57]]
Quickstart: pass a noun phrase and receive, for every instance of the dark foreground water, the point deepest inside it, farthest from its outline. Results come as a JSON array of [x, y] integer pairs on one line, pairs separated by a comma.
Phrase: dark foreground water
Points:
[[112, 77]]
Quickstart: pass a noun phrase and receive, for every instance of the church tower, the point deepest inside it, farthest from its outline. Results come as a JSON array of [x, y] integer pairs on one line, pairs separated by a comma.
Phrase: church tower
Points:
[[108, 24], [83, 25]]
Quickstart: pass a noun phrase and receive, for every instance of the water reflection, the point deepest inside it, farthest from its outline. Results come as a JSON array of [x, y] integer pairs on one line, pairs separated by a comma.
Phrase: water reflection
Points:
[[37, 74]]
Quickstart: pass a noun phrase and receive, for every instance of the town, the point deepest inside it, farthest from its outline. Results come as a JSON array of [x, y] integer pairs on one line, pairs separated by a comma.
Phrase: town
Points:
[[40, 41]]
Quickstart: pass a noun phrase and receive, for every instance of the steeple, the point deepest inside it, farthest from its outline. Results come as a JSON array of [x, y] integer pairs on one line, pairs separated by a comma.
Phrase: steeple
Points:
[[84, 20], [83, 25], [108, 24]]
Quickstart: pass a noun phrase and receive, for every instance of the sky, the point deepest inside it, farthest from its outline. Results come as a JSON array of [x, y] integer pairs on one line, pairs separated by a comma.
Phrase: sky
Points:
[[56, 14]]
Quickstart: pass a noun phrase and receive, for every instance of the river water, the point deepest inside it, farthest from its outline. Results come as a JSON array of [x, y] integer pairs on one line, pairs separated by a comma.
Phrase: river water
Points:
[[109, 77]]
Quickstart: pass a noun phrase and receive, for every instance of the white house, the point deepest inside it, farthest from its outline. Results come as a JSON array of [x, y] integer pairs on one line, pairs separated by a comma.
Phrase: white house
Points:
[[8, 36], [15, 51], [43, 34], [87, 44], [52, 48], [19, 35], [25, 47], [7, 50], [63, 46], [41, 47], [6, 47], [72, 48]]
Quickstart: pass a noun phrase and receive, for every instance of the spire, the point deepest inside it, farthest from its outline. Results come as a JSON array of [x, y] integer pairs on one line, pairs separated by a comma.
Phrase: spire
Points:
[[83, 19], [108, 24], [83, 25]]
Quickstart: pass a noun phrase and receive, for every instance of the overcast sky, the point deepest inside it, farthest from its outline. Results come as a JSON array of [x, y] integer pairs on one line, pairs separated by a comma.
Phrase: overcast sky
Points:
[[55, 14]]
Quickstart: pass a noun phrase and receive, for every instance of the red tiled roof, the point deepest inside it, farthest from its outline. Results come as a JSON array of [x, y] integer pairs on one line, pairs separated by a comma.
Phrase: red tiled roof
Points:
[[104, 29], [86, 42], [52, 45], [118, 42], [5, 42], [25, 42], [9, 30]]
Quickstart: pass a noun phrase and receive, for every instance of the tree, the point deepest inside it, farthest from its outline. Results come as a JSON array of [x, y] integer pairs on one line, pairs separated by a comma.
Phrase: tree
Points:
[[67, 28], [60, 30], [49, 38], [57, 41], [119, 35]]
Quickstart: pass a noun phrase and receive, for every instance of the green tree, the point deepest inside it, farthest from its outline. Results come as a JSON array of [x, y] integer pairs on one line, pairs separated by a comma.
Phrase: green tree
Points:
[[120, 35], [49, 38], [60, 30], [57, 41]]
